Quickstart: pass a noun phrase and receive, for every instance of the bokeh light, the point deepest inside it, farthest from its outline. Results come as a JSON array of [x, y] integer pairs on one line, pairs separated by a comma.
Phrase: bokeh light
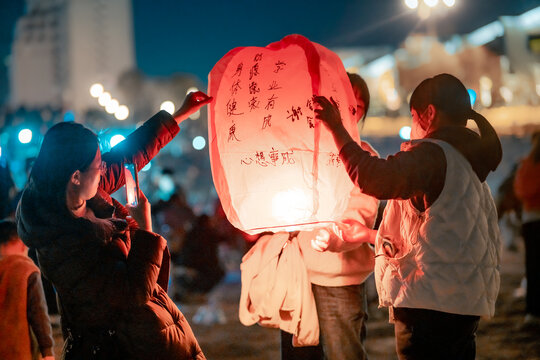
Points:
[[449, 3], [411, 4], [96, 90], [472, 96], [168, 106], [25, 136], [115, 139], [112, 106], [405, 133], [122, 113], [199, 143], [104, 99]]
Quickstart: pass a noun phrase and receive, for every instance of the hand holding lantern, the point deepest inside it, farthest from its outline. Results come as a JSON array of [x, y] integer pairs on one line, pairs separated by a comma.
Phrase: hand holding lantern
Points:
[[193, 102]]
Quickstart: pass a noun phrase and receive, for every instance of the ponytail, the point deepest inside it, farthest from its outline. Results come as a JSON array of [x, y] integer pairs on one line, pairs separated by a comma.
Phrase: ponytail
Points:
[[489, 138]]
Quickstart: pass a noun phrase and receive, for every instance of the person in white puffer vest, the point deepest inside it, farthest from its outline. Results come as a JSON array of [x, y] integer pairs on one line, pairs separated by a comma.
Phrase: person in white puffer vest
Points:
[[438, 247]]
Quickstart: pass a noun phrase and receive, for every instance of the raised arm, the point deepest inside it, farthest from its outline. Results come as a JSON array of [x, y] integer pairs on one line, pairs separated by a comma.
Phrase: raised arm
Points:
[[144, 143]]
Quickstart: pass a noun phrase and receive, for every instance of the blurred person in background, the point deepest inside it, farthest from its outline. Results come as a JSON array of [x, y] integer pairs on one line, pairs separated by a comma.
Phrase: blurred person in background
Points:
[[110, 269], [527, 188], [25, 329], [8, 191], [174, 218]]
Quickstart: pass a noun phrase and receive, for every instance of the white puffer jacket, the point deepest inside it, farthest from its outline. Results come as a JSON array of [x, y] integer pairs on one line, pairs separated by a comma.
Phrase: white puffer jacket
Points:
[[446, 258]]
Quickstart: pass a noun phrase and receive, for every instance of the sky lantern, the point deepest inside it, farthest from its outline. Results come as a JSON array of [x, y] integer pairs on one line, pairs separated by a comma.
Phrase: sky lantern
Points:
[[275, 167]]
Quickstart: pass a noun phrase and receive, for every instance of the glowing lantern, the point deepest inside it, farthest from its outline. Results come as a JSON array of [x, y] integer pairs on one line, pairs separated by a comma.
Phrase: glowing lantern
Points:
[[275, 167]]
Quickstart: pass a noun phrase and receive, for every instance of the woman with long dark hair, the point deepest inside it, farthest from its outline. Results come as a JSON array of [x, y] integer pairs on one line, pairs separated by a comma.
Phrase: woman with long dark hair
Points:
[[109, 269]]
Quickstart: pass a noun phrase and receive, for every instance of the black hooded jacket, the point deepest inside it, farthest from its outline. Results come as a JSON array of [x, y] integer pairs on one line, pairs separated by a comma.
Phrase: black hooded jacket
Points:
[[110, 279]]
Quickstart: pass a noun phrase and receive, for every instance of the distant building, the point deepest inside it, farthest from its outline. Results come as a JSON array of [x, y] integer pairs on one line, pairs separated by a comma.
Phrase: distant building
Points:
[[62, 47], [499, 61]]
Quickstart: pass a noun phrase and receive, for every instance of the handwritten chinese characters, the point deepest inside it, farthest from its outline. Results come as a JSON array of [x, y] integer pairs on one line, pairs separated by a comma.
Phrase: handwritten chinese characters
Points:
[[271, 157]]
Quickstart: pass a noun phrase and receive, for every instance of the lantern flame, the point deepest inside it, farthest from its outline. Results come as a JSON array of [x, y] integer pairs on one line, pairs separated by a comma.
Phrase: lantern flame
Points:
[[291, 205]]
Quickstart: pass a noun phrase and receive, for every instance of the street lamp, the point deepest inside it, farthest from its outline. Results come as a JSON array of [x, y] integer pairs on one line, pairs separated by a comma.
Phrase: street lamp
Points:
[[411, 4], [122, 112], [449, 3], [425, 8]]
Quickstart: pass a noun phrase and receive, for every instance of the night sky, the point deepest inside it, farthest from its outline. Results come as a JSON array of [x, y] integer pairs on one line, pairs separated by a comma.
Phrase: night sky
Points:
[[191, 36]]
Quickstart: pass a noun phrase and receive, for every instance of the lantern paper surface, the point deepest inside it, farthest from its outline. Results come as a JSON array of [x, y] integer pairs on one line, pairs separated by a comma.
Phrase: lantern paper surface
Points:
[[276, 167]]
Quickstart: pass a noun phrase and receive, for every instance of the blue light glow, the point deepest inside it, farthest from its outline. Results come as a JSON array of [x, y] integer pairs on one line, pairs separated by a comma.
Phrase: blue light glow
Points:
[[472, 96], [405, 133], [147, 167], [199, 143], [69, 116]]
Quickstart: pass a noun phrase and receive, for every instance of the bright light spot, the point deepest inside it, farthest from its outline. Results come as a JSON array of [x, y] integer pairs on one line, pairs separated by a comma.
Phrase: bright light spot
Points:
[[199, 143], [192, 89], [0, 151], [291, 206], [96, 90], [168, 106], [166, 184], [147, 167], [122, 113], [506, 93], [472, 96], [411, 4], [538, 89], [112, 106], [115, 139], [431, 3], [104, 99], [393, 101], [485, 97], [405, 133], [449, 3], [195, 115], [69, 116], [485, 82], [25, 136]]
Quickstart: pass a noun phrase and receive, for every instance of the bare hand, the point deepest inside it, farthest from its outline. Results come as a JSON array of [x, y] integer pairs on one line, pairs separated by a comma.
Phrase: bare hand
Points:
[[328, 112], [193, 102], [354, 232], [141, 213], [321, 241], [50, 357]]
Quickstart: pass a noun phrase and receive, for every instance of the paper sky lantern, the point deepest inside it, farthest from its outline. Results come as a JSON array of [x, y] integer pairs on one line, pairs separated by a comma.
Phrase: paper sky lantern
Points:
[[275, 167]]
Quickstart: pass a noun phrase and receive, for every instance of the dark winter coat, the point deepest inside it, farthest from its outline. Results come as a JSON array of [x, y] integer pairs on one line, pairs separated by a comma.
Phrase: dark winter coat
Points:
[[112, 281]]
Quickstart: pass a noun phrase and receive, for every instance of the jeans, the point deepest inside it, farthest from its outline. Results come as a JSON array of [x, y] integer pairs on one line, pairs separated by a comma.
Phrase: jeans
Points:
[[428, 334], [342, 321]]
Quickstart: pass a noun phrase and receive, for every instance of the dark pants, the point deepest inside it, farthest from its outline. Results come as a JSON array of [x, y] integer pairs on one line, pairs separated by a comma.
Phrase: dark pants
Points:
[[428, 334], [531, 235], [342, 323]]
